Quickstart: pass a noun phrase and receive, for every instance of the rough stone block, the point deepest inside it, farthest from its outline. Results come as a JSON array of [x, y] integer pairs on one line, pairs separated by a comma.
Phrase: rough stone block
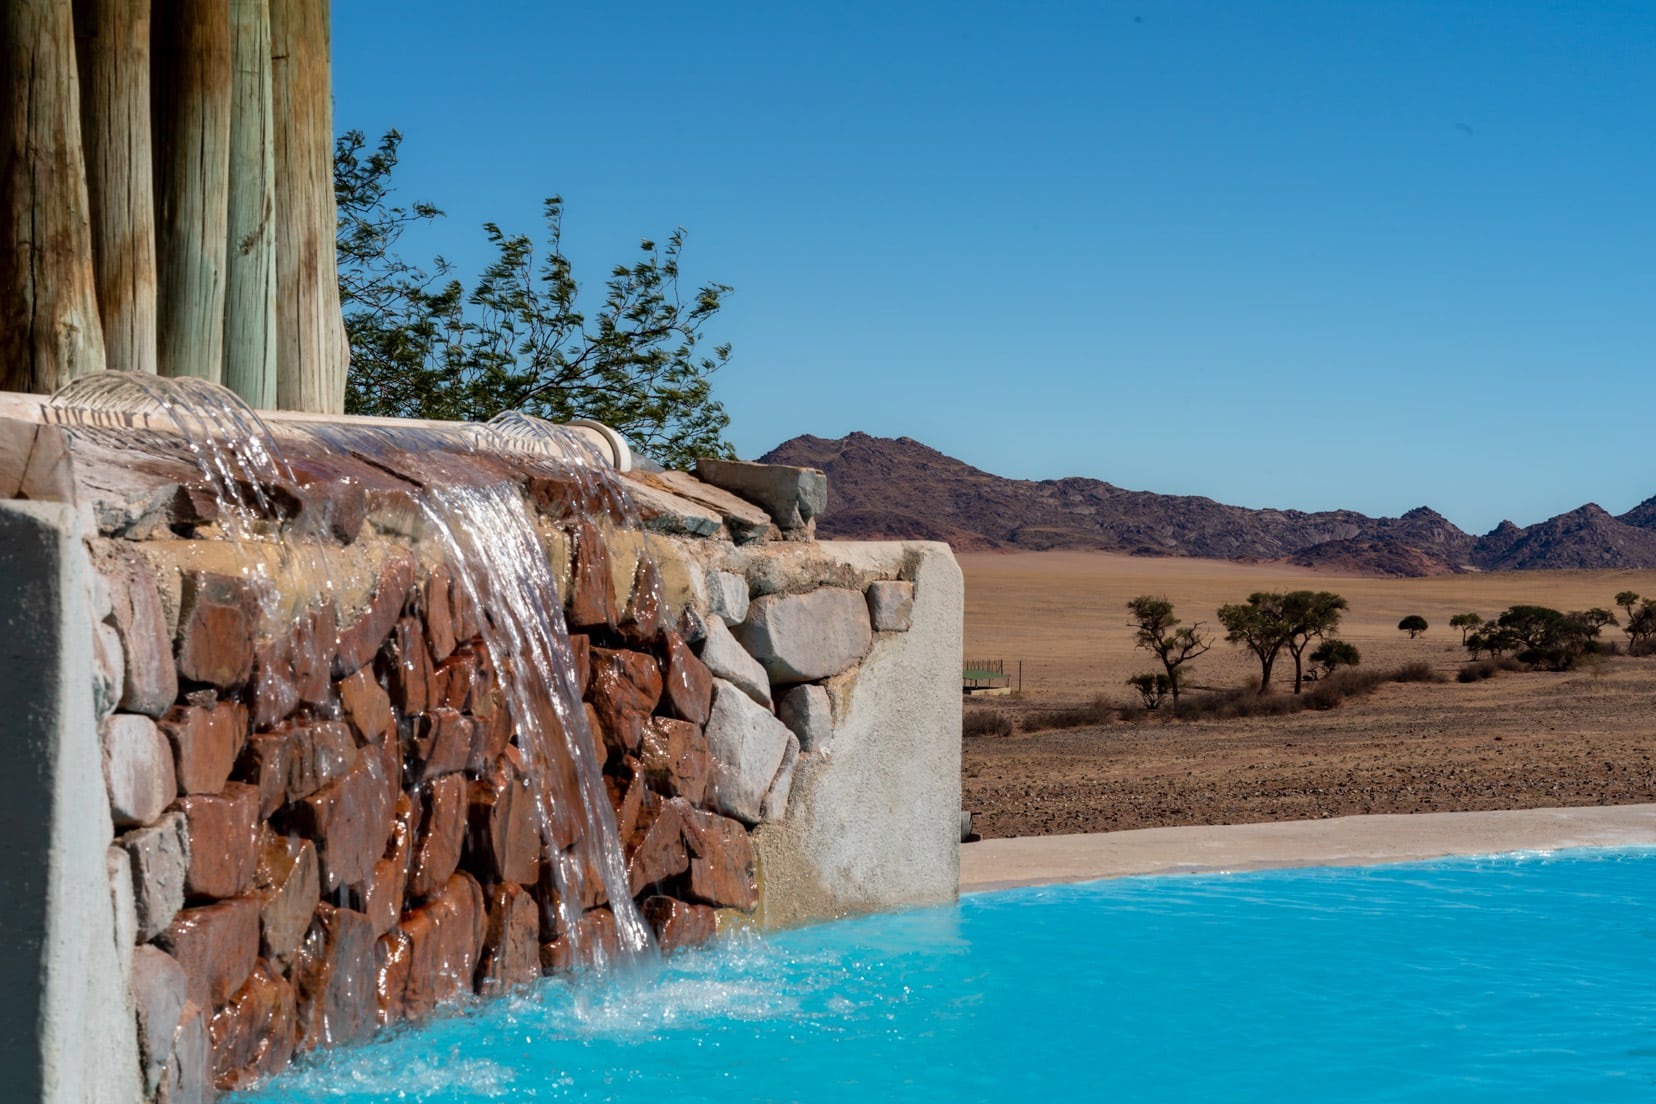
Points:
[[150, 683], [138, 769], [406, 662], [678, 924], [392, 961], [661, 854], [319, 752], [806, 711], [722, 864], [189, 1075], [217, 945], [502, 825], [361, 638], [774, 808], [744, 521], [205, 743], [675, 759], [333, 978], [687, 681], [253, 1034], [288, 885], [350, 820], [626, 687], [444, 937], [159, 991], [366, 706], [263, 764], [804, 637], [451, 682], [747, 743], [890, 605], [216, 622], [442, 833], [224, 840], [441, 743], [122, 899], [437, 608], [728, 660], [511, 941], [594, 941], [727, 596], [385, 892], [792, 496], [580, 656], [592, 589], [108, 667], [160, 858]]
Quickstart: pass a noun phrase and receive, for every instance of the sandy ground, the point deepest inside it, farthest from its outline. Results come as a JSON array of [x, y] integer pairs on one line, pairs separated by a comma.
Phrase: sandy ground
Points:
[[1522, 740]]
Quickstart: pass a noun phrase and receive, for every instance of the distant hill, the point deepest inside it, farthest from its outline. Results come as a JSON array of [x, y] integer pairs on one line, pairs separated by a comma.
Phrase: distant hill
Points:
[[898, 488]]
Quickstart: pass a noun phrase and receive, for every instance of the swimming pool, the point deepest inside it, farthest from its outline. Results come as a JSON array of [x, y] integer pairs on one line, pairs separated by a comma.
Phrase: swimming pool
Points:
[[1513, 978]]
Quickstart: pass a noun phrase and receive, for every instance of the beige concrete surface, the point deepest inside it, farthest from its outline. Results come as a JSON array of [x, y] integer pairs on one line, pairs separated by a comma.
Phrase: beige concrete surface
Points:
[[1340, 841]]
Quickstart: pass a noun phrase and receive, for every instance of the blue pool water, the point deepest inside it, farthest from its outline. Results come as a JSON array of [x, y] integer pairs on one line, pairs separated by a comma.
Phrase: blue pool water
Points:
[[1515, 978]]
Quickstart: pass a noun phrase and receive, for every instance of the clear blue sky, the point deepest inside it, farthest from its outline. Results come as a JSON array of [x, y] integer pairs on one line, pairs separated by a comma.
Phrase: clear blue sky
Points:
[[1310, 255]]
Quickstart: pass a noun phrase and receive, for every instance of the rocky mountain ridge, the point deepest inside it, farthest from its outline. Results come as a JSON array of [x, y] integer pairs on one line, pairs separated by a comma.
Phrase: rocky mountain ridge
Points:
[[886, 488]]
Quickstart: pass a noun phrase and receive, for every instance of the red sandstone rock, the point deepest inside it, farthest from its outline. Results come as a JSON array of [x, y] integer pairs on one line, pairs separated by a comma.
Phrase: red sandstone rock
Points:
[[592, 589], [392, 959], [580, 654], [263, 765], [288, 885], [511, 941], [451, 682], [625, 689], [319, 752], [366, 705], [137, 769], [360, 640], [333, 501], [384, 893], [444, 938], [689, 684], [601, 740], [676, 759], [662, 853], [150, 684], [491, 731], [350, 820], [679, 924], [189, 1075], [628, 808], [502, 828], [223, 831], [441, 836], [645, 616], [593, 942], [334, 978], [315, 638], [205, 742], [440, 743], [438, 610], [216, 620], [274, 692], [407, 665], [721, 862], [217, 945], [160, 989], [253, 1034]]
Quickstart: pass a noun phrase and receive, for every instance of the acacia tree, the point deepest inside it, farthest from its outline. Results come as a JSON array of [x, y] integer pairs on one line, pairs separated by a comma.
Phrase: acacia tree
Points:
[[425, 347], [1467, 623], [1414, 625], [1332, 654], [1158, 632], [1260, 626], [1311, 615]]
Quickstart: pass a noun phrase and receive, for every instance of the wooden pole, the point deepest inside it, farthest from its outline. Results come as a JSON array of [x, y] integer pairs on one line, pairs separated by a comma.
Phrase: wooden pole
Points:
[[311, 352], [250, 291], [112, 43], [190, 42], [49, 326]]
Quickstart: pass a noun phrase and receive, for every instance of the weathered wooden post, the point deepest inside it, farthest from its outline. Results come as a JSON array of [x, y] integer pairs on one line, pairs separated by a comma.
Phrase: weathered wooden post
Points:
[[311, 350], [250, 291], [112, 45], [191, 43], [50, 330]]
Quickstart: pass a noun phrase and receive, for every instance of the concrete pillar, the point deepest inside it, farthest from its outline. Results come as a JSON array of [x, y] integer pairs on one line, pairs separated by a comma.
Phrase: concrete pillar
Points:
[[67, 1032]]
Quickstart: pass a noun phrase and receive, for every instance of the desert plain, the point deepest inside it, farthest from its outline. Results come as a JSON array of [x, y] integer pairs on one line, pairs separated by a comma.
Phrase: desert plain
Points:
[[1518, 740]]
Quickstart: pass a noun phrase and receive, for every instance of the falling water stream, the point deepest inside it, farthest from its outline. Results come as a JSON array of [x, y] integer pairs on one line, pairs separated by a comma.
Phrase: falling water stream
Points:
[[486, 534]]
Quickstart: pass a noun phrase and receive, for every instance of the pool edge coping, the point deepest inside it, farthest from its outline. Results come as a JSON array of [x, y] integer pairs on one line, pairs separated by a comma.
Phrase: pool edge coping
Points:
[[1366, 840]]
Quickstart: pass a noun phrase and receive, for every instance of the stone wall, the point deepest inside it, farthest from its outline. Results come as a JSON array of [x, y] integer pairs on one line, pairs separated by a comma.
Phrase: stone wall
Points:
[[319, 813]]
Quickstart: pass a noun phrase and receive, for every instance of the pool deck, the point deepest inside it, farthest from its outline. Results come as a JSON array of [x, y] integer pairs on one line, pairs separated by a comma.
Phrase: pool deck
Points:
[[1339, 841]]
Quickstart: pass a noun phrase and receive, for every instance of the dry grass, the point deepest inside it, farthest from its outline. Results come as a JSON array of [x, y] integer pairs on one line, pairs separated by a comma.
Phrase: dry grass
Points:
[[1064, 613]]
